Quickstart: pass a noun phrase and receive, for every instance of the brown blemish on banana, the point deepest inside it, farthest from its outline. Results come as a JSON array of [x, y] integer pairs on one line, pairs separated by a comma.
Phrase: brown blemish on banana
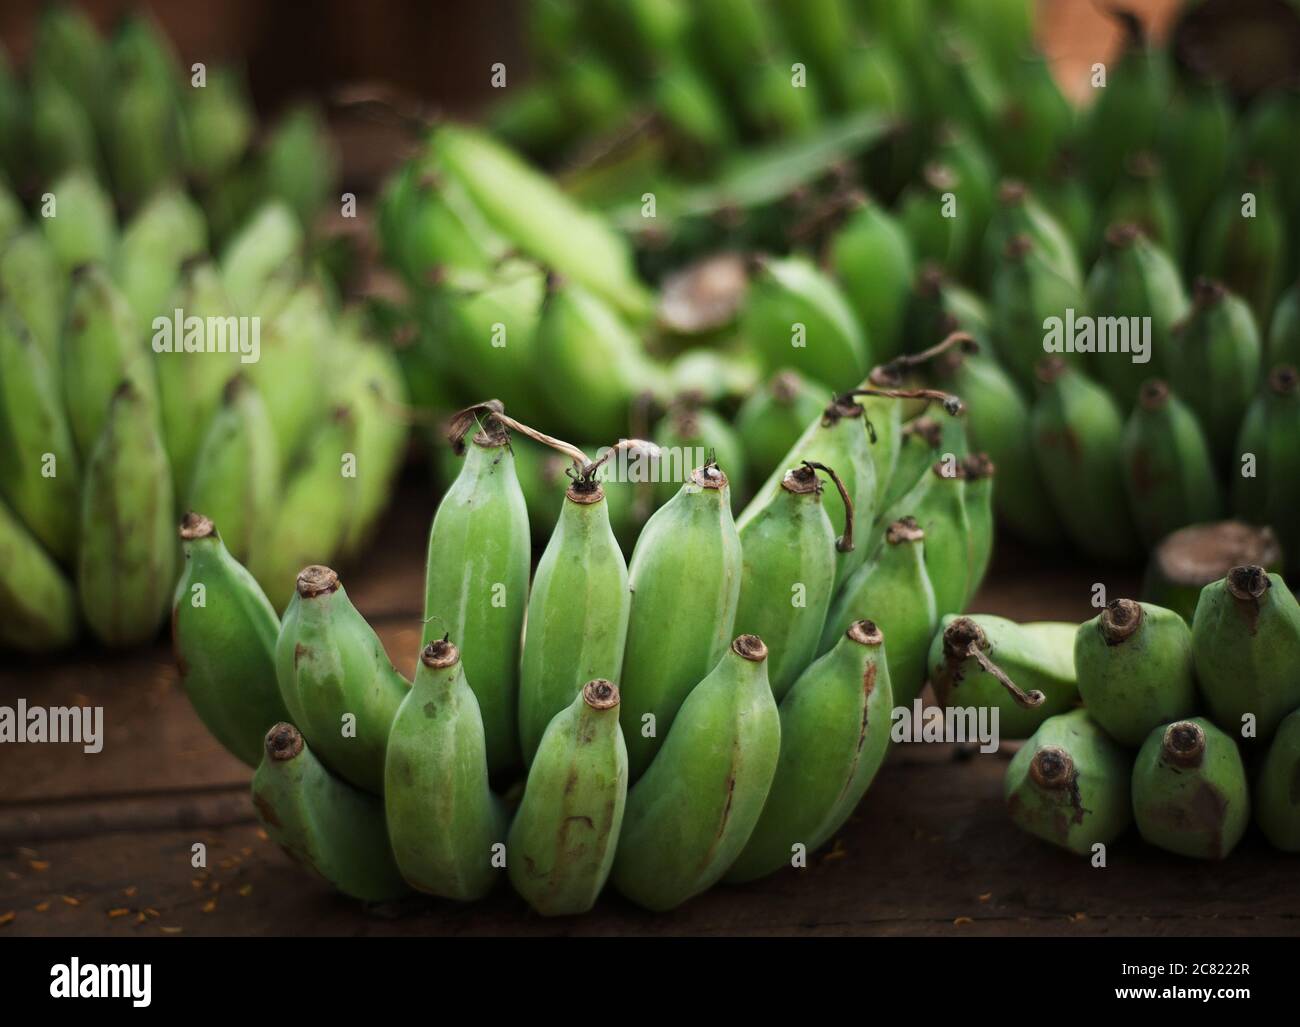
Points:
[[1052, 769], [904, 530]]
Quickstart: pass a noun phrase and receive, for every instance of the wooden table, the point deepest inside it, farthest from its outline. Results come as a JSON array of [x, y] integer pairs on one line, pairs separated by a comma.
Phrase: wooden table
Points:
[[101, 845]]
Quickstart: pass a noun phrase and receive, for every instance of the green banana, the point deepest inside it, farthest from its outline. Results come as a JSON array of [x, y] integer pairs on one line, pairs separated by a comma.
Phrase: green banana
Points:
[[1215, 365], [40, 475], [893, 591], [1027, 294], [38, 606], [976, 186], [1069, 784], [323, 823], [564, 836], [938, 503], [1168, 470], [872, 258], [224, 633], [69, 49], [101, 349], [1144, 198], [336, 680], [1243, 241], [1035, 121], [835, 725], [1284, 329], [1066, 197], [525, 206], [1023, 671], [839, 439], [163, 235], [126, 558], [236, 469], [1077, 435], [795, 316], [690, 816], [15, 121], [1196, 139], [687, 430], [1277, 804], [33, 284], [1189, 790], [476, 586], [693, 111], [1245, 641], [219, 124], [788, 573], [61, 133], [1134, 662], [771, 420], [577, 616], [773, 106], [443, 820], [685, 576], [1268, 435], [1134, 278], [1020, 212], [144, 136], [266, 244], [1193, 557], [317, 502], [81, 226], [978, 470], [584, 349], [933, 217], [998, 423], [299, 164]]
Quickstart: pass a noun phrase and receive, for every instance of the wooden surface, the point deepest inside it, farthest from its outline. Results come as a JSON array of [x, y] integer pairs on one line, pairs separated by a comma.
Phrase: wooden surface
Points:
[[93, 845]]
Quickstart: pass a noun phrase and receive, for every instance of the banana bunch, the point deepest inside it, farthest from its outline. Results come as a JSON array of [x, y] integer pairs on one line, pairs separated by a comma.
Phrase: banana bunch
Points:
[[139, 377], [1170, 717], [711, 709], [126, 111]]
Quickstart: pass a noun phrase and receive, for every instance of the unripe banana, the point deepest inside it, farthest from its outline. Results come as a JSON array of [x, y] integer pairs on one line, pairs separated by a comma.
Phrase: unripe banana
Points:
[[1127, 113], [62, 136], [443, 820], [224, 633], [1246, 641], [299, 165], [33, 284], [126, 560], [1077, 436], [1277, 803], [101, 349], [839, 439], [1284, 329], [1244, 239], [219, 123], [1193, 557], [835, 725], [577, 615], [143, 138], [1214, 363], [1024, 671], [1134, 663], [323, 823], [788, 574], [236, 470], [1268, 435], [1168, 470], [770, 104], [771, 420], [167, 231], [476, 587], [938, 503], [976, 191], [38, 605], [1189, 790], [1196, 141], [685, 579], [978, 471], [920, 445], [692, 813], [589, 352], [564, 836], [263, 247], [1069, 784], [693, 111], [936, 235], [526, 206], [1135, 278], [69, 49], [336, 680], [1143, 198], [1020, 213], [39, 471], [82, 227], [1036, 121], [1027, 291], [317, 502], [872, 258], [796, 316]]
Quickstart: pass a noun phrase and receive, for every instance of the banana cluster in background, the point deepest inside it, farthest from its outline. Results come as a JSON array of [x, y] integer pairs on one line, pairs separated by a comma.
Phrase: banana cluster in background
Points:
[[293, 442], [712, 708]]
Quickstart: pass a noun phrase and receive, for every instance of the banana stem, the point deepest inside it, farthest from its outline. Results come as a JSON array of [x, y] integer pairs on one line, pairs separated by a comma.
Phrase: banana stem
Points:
[[952, 405], [462, 420], [1029, 700], [843, 544], [910, 360], [592, 467]]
